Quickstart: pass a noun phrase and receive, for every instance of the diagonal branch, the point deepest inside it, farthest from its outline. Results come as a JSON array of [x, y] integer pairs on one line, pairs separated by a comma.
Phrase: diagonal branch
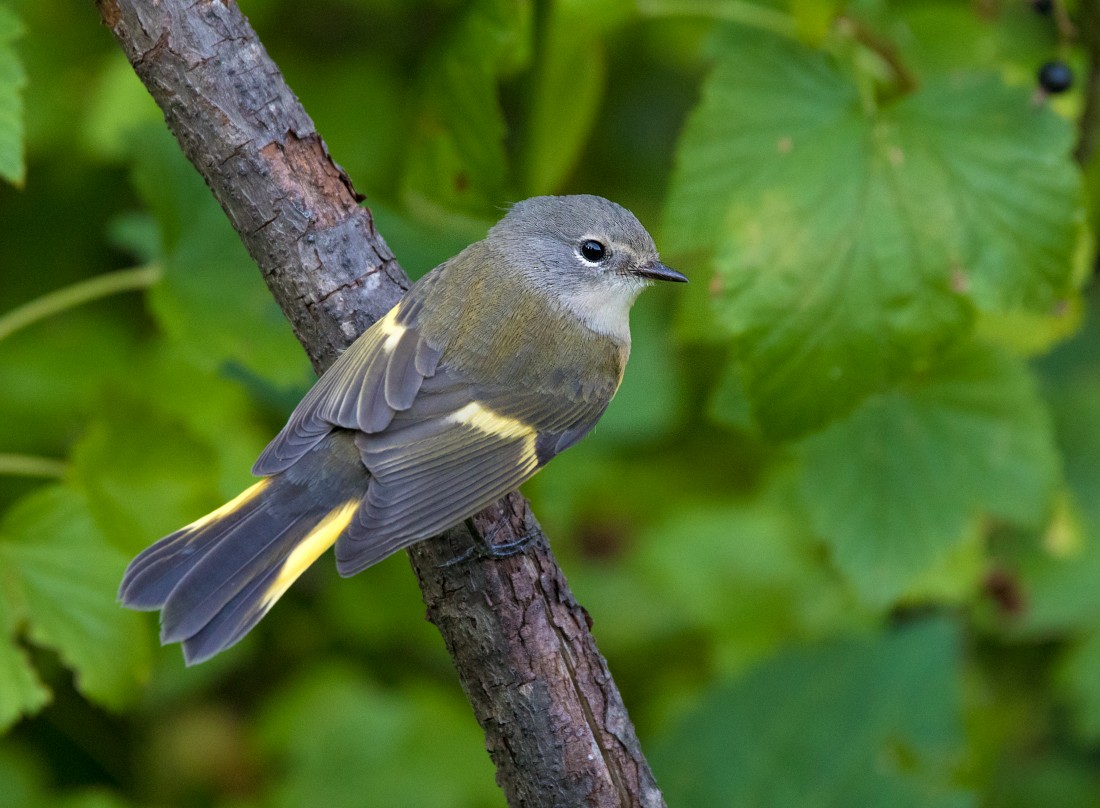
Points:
[[554, 721]]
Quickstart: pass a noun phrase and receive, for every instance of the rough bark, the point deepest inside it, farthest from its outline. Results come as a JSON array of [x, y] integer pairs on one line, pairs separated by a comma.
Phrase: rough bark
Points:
[[554, 721]]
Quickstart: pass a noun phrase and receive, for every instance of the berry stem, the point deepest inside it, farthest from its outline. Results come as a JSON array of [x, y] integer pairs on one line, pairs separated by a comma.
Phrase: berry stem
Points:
[[111, 283], [1089, 126], [883, 48]]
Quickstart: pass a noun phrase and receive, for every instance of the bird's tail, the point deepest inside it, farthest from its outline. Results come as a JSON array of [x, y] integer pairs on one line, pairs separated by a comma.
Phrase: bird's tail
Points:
[[214, 579]]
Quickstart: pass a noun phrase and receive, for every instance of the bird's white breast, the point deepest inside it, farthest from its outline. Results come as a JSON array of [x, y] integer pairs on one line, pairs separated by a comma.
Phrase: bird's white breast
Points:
[[605, 308]]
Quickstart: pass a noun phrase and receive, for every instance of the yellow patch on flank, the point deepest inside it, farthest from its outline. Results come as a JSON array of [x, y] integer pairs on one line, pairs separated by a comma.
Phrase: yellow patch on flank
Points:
[[483, 419], [234, 504], [309, 549]]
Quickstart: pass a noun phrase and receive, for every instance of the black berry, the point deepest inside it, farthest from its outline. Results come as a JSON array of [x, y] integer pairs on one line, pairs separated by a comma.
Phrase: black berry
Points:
[[1043, 7], [1055, 77]]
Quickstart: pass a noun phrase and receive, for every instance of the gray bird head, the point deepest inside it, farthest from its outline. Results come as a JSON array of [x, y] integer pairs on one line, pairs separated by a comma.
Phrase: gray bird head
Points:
[[584, 251]]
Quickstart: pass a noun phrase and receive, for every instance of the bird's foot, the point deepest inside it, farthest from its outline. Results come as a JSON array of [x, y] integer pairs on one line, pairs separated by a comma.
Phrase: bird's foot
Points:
[[483, 547]]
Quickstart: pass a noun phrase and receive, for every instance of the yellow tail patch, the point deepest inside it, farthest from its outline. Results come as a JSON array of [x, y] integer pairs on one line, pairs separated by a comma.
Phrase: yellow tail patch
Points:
[[309, 549], [234, 504]]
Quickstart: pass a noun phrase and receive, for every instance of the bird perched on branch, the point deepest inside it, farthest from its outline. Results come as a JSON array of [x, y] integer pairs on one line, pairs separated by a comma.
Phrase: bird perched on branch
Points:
[[493, 363]]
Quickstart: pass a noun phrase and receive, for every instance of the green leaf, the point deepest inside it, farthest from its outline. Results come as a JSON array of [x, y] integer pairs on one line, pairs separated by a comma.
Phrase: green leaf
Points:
[[53, 373], [64, 576], [861, 722], [571, 77], [420, 246], [21, 691], [12, 80], [893, 488], [24, 785], [342, 742], [851, 243], [1027, 333], [814, 18], [943, 36], [1071, 383], [168, 446], [212, 300], [728, 404], [20, 778], [1059, 567], [456, 160], [118, 105], [1078, 679], [954, 577], [566, 90], [696, 319], [85, 798], [1056, 573], [762, 584], [1055, 778]]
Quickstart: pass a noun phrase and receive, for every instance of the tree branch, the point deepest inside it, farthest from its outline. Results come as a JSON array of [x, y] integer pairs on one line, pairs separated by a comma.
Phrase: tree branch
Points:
[[554, 721]]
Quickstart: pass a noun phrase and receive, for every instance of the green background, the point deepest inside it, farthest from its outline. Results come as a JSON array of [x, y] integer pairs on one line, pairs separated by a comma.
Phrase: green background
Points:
[[839, 533]]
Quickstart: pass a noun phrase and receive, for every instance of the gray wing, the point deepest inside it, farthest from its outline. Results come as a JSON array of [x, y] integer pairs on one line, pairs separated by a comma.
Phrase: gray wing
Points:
[[378, 376], [458, 448]]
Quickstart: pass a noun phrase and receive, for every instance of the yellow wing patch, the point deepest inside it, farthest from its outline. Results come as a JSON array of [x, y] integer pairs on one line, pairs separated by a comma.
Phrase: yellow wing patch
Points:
[[309, 549], [483, 419]]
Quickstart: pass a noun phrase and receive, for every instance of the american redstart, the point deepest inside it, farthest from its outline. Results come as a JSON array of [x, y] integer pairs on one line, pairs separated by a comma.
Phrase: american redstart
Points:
[[493, 363]]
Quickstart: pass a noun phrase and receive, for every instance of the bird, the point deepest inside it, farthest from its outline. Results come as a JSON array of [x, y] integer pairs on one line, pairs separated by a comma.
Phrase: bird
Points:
[[493, 363]]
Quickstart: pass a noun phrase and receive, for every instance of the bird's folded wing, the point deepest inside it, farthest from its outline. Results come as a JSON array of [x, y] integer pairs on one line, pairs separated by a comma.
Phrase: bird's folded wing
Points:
[[378, 376], [458, 448]]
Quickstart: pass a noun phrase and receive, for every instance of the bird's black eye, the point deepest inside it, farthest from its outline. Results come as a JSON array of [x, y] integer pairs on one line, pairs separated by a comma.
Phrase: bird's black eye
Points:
[[593, 251]]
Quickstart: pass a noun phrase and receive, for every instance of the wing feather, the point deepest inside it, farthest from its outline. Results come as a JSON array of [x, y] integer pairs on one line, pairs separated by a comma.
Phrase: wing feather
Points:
[[458, 448], [377, 377], [403, 378]]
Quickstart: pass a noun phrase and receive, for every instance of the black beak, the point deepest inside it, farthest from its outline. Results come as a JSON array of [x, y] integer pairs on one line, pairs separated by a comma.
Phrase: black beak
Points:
[[659, 272]]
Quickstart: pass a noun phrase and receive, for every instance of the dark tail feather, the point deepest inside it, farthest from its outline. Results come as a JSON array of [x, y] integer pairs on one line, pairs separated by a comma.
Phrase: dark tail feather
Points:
[[215, 578], [153, 575], [230, 624]]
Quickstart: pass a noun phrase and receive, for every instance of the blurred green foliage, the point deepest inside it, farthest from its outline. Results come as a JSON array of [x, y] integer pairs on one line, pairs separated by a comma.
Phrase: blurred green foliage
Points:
[[839, 532]]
